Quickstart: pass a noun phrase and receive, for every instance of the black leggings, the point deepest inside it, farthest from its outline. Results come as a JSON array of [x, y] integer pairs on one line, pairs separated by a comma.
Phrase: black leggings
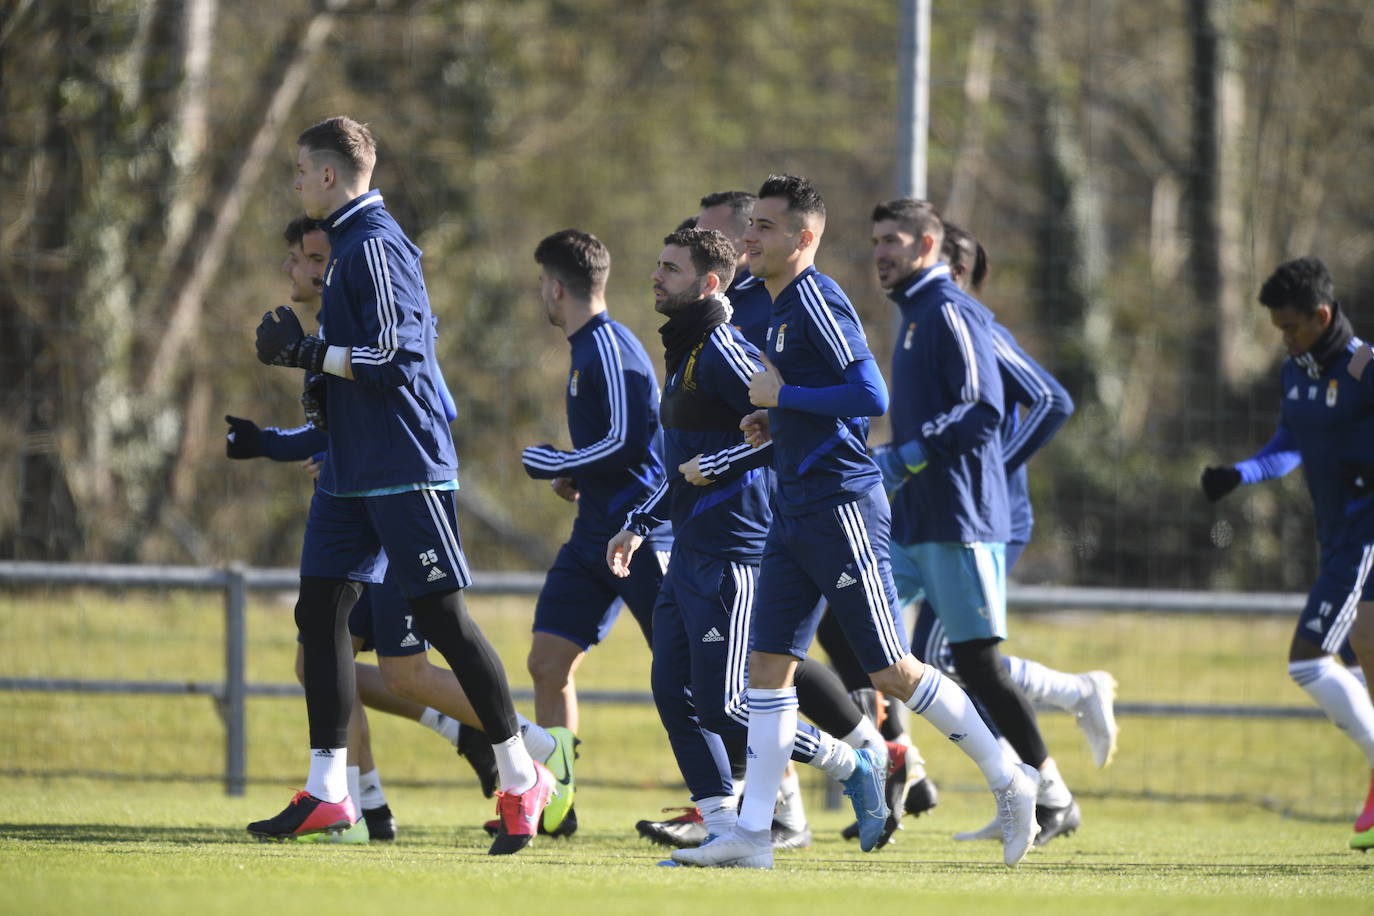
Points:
[[443, 618], [327, 650], [986, 679]]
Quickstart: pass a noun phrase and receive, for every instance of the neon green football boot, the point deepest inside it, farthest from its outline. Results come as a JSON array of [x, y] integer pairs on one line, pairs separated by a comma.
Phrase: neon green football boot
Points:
[[560, 764]]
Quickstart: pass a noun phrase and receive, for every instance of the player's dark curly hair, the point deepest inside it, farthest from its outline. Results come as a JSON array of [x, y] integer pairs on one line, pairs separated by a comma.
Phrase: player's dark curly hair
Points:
[[1302, 284], [299, 228], [711, 252]]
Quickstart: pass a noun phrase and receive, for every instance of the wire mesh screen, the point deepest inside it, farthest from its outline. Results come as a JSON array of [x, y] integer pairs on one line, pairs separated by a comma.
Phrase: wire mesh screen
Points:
[[1133, 170]]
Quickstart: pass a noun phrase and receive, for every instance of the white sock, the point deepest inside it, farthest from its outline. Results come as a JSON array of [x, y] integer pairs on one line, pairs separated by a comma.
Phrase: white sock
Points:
[[355, 791], [1358, 672], [772, 729], [835, 758], [866, 734], [944, 704], [328, 779], [789, 810], [434, 719], [371, 785], [1054, 793], [514, 765], [1045, 684], [1341, 696], [719, 812], [538, 741]]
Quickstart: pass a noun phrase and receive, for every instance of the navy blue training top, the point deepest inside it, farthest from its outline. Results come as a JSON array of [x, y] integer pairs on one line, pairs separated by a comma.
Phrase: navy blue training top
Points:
[[612, 405], [386, 425], [947, 396], [1327, 422], [729, 518], [815, 340]]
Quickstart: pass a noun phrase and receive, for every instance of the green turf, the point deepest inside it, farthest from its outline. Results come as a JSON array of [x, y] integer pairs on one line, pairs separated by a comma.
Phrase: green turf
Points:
[[85, 846], [1196, 815]]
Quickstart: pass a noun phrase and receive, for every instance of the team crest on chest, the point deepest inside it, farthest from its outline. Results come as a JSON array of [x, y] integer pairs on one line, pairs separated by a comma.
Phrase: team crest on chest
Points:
[[778, 341], [572, 382], [910, 333], [330, 274], [1331, 388]]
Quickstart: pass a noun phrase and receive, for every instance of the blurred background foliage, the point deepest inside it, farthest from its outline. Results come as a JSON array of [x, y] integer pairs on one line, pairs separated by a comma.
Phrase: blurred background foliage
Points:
[[1134, 170]]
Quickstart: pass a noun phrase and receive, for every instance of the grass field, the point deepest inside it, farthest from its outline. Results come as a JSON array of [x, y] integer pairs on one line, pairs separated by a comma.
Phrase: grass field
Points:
[[1196, 815]]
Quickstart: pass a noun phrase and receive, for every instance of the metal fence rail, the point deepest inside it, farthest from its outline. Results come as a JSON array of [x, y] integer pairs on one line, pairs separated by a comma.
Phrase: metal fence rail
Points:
[[235, 581]]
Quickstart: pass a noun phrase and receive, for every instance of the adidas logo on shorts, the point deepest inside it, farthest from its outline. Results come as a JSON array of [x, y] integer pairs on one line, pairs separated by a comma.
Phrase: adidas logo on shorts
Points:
[[713, 635], [845, 580], [409, 641], [435, 574]]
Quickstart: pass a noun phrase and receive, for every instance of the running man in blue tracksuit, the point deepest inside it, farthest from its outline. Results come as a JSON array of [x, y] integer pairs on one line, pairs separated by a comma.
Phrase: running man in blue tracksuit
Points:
[[818, 688], [387, 486], [612, 408], [1027, 386], [716, 495], [1326, 424], [829, 537], [307, 253], [945, 469], [404, 682]]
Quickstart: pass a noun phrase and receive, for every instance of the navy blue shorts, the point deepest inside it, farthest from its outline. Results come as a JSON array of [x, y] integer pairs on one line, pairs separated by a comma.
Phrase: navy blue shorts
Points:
[[382, 620], [1342, 583], [581, 597], [839, 553], [417, 532]]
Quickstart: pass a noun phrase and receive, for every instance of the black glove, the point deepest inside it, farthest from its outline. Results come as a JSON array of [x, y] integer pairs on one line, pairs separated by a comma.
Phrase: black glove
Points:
[[282, 342], [244, 439], [312, 400], [1217, 482]]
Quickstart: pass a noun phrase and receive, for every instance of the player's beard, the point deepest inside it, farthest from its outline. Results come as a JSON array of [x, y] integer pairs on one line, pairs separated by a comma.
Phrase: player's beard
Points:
[[671, 304]]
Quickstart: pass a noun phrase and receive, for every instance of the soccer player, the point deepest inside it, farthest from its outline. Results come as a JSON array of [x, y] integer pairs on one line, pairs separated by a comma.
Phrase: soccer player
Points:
[[946, 471], [1028, 387], [829, 537], [387, 485], [1326, 424], [378, 621], [614, 462], [307, 250], [728, 213], [716, 496]]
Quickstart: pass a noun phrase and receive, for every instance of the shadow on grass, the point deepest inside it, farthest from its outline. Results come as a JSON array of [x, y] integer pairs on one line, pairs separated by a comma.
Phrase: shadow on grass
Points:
[[118, 833], [444, 838]]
